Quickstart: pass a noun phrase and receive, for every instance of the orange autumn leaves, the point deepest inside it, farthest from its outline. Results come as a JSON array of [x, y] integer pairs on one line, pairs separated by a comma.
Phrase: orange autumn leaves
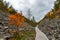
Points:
[[16, 19]]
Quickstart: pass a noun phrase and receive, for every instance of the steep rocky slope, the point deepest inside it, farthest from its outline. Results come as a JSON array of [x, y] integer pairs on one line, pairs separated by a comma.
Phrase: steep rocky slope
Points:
[[6, 31], [51, 28], [50, 25]]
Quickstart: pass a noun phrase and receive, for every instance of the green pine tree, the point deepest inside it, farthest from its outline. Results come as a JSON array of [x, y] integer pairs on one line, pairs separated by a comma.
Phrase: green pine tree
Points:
[[57, 5], [2, 6]]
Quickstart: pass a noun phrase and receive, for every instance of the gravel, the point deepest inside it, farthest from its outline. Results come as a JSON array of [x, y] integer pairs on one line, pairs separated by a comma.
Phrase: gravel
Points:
[[51, 28]]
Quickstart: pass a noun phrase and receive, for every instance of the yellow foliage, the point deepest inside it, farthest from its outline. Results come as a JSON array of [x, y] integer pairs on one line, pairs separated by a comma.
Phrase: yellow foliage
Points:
[[10, 9], [57, 17], [58, 11], [51, 13]]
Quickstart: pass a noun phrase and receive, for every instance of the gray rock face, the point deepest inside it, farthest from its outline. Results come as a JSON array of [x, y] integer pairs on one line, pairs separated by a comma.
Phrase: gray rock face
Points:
[[3, 25], [51, 28]]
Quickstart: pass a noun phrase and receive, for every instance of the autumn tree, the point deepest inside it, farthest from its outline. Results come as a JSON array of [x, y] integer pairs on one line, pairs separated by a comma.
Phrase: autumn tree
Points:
[[17, 20]]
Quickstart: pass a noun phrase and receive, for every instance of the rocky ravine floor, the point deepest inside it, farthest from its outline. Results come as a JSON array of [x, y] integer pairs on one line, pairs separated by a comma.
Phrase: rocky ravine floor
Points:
[[49, 27], [29, 32]]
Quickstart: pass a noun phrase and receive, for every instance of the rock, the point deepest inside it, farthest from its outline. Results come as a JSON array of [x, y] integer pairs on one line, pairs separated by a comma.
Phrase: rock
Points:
[[50, 28]]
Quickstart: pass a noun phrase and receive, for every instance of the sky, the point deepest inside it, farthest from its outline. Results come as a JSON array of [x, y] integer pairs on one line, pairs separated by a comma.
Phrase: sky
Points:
[[38, 8]]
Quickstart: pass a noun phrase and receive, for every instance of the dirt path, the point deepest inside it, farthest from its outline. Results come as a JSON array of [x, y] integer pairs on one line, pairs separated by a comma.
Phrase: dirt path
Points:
[[2, 39], [40, 35]]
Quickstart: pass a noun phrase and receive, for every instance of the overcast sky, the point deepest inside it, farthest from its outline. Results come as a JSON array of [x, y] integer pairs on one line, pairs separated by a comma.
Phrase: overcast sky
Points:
[[39, 8]]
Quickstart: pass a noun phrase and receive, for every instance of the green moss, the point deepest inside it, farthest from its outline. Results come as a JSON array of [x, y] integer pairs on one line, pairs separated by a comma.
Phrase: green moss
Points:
[[25, 35]]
